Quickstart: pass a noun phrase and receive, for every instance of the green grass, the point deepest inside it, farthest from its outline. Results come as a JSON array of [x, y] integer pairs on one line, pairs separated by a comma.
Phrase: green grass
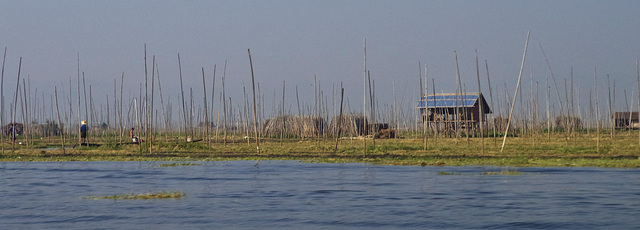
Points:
[[523, 151]]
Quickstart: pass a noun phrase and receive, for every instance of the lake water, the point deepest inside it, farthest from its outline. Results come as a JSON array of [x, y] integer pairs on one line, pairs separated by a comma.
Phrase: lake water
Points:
[[294, 195]]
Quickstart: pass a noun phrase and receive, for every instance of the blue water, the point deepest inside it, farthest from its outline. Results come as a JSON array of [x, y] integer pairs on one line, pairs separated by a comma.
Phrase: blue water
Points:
[[294, 195]]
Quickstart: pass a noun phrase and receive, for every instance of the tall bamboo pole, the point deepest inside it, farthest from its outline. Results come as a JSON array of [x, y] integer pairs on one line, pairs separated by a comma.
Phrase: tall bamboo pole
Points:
[[426, 110], [506, 131], [78, 84], [339, 119], [458, 92], [86, 109], [364, 103], [491, 96], [206, 110], [2, 96], [15, 102], [153, 71], [184, 111], [255, 117], [610, 106], [480, 102], [121, 89], [638, 75], [55, 88], [224, 105], [25, 113], [595, 83], [372, 110]]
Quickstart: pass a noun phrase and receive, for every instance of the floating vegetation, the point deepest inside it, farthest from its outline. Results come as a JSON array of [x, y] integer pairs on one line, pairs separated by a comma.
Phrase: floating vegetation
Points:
[[447, 173], [177, 164], [145, 196], [504, 172]]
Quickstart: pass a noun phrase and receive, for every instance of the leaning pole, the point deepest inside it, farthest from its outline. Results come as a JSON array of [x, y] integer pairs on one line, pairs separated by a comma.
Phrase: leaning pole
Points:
[[506, 131]]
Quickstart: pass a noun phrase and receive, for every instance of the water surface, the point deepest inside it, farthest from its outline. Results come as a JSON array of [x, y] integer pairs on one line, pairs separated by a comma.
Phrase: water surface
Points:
[[294, 195]]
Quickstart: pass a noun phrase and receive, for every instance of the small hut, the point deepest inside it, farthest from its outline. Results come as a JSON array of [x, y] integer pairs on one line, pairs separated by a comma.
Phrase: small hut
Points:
[[305, 126], [350, 125], [449, 108], [626, 120]]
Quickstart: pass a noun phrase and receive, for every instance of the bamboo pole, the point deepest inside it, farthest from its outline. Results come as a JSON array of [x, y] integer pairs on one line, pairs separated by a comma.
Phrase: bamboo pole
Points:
[[164, 112], [610, 107], [86, 109], [153, 71], [480, 102], [282, 115], [2, 96], [506, 132], [15, 102], [121, 89], [206, 110], [25, 113], [595, 82], [255, 116], [339, 119], [78, 84], [184, 111], [458, 92], [372, 106], [55, 88], [491, 95], [638, 76], [224, 105], [425, 131], [364, 103]]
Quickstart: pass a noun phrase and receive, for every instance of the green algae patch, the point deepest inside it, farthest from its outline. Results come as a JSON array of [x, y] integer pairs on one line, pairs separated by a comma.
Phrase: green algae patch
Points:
[[143, 196], [177, 164], [504, 172]]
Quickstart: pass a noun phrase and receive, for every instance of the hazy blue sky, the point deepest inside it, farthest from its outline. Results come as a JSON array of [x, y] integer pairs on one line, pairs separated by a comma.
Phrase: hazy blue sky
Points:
[[294, 40]]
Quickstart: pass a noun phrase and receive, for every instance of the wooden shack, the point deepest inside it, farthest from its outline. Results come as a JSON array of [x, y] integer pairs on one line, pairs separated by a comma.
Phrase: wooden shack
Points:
[[626, 120], [449, 108]]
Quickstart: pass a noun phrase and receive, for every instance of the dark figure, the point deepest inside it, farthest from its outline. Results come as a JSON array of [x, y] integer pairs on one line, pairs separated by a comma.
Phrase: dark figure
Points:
[[83, 132]]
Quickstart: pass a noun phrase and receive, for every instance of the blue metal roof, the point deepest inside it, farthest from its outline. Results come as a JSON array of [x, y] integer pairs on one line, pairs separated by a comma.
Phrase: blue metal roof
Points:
[[448, 101]]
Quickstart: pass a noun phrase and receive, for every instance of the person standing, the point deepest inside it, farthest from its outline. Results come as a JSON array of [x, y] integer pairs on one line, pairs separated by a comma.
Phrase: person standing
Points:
[[133, 137], [83, 132]]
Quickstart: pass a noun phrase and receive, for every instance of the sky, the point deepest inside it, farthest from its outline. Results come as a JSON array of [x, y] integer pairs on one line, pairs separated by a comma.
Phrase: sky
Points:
[[295, 42]]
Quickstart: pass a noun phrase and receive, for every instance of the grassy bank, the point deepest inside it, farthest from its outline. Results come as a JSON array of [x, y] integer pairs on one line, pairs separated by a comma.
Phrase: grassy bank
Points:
[[528, 151]]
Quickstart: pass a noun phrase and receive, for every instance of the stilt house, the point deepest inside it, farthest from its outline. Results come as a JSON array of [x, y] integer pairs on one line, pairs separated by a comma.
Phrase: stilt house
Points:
[[448, 108]]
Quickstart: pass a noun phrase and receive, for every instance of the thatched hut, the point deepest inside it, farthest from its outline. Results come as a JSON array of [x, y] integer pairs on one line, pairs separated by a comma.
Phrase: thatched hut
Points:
[[305, 126], [350, 125]]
